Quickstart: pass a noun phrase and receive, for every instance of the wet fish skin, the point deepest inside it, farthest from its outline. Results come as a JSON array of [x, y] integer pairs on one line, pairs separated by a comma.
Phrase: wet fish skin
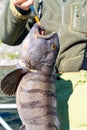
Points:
[[35, 82], [36, 101]]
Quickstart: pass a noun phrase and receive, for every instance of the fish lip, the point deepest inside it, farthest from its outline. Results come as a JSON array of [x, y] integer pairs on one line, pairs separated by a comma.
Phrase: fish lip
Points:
[[47, 37], [40, 33]]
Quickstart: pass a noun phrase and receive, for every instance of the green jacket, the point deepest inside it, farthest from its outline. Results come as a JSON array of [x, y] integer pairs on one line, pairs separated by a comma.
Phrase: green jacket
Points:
[[67, 17]]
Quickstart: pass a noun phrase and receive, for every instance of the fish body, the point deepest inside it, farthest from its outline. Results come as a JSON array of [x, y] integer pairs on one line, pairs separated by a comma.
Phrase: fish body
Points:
[[37, 102], [34, 81]]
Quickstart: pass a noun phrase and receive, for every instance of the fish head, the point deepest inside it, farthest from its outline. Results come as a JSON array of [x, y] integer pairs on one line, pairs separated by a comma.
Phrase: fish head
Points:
[[39, 51]]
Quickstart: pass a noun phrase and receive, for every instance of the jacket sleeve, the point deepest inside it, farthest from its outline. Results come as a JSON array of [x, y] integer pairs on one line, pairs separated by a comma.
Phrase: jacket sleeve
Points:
[[13, 25]]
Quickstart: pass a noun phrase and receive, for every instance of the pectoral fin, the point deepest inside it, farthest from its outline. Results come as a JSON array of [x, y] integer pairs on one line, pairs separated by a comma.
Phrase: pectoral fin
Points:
[[10, 82], [22, 127]]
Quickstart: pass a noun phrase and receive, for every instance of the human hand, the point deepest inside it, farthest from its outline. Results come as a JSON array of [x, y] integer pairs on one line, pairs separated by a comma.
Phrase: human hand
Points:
[[23, 4]]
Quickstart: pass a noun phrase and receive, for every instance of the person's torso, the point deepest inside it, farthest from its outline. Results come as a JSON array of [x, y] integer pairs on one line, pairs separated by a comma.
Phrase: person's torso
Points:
[[68, 18]]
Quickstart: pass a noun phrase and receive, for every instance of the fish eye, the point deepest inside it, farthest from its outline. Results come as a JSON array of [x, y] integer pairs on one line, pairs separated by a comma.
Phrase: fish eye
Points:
[[53, 46]]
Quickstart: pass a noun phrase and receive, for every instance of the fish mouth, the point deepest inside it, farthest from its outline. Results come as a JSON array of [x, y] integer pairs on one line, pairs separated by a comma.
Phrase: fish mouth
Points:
[[40, 33]]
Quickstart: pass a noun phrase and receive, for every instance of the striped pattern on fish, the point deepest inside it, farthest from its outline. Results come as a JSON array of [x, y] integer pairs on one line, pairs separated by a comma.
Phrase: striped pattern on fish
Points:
[[37, 99]]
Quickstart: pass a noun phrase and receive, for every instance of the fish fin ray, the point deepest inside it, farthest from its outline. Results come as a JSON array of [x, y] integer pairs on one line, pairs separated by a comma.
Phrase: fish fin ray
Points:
[[22, 127], [10, 82]]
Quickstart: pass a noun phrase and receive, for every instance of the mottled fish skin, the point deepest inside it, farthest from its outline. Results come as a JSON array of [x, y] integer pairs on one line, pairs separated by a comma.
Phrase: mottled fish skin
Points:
[[36, 101], [35, 93]]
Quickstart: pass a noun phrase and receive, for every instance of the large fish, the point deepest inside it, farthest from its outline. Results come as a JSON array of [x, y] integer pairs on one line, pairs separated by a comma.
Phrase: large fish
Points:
[[34, 81]]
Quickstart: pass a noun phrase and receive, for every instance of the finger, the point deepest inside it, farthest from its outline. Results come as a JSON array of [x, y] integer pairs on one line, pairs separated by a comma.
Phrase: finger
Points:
[[23, 5], [19, 1], [26, 5]]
